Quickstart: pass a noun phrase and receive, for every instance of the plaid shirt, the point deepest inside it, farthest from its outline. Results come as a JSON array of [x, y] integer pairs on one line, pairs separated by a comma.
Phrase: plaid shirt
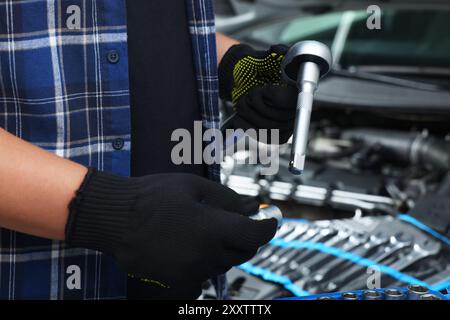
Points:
[[61, 89]]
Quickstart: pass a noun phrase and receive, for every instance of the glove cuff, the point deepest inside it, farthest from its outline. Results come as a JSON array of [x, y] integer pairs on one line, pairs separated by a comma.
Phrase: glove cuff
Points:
[[99, 213], [226, 68]]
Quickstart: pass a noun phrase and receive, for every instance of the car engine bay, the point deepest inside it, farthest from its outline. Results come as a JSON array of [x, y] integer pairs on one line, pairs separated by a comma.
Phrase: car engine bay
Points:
[[371, 200]]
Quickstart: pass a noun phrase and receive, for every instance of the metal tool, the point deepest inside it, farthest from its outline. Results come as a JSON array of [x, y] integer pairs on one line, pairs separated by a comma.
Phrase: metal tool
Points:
[[444, 275], [309, 234], [265, 212], [420, 251], [393, 294], [372, 295], [349, 296], [269, 212], [382, 240], [320, 237], [305, 63], [429, 296], [416, 291], [271, 254], [397, 243], [375, 294], [299, 235], [347, 239], [269, 250], [312, 231], [359, 245], [314, 257], [353, 271], [325, 298], [309, 269]]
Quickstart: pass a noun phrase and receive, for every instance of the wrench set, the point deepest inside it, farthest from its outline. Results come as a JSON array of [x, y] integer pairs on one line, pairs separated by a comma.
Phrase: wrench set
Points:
[[352, 254]]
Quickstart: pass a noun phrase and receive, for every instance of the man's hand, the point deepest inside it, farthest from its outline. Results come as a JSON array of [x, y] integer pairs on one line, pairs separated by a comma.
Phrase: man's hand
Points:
[[252, 81], [173, 230]]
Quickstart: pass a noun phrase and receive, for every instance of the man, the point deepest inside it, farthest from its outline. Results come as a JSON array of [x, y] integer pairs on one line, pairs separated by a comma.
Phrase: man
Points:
[[91, 91]]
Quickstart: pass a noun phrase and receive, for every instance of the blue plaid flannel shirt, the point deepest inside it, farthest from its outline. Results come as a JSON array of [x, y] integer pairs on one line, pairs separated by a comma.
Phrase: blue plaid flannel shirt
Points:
[[59, 91]]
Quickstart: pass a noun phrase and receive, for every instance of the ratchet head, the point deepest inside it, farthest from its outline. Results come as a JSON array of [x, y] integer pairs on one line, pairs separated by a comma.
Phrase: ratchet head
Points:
[[306, 51]]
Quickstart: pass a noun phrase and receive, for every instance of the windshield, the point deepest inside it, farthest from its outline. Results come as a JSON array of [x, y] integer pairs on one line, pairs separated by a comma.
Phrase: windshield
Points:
[[407, 38]]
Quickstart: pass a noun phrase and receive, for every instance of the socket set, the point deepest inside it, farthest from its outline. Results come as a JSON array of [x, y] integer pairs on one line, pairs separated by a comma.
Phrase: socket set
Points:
[[412, 292], [309, 258]]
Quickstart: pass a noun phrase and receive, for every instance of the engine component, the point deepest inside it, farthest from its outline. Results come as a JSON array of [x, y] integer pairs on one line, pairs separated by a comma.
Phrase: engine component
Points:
[[371, 170], [318, 187], [368, 173], [414, 148], [434, 209]]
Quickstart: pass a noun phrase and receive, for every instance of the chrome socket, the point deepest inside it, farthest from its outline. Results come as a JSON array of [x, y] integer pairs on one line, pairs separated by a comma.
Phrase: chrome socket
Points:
[[394, 294], [350, 296], [325, 298], [372, 295], [429, 296], [416, 291]]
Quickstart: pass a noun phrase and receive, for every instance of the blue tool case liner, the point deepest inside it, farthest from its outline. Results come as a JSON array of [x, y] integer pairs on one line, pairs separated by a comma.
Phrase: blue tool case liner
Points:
[[360, 295], [289, 285]]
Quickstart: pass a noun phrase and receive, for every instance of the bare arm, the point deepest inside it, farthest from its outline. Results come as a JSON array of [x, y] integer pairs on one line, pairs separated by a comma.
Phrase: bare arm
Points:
[[223, 44], [35, 188]]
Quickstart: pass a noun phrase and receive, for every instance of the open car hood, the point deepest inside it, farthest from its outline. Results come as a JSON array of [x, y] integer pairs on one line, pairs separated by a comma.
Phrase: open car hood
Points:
[[318, 5]]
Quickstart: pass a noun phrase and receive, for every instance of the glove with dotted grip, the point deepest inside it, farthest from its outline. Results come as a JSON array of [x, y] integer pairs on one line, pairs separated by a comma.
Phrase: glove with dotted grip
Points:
[[252, 81]]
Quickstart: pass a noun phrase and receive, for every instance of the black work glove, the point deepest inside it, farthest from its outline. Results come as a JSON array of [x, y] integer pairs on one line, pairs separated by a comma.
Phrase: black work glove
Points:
[[252, 81], [172, 230]]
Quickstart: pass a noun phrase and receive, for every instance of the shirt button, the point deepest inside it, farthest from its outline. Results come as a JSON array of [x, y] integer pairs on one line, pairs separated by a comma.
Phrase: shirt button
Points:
[[113, 56], [118, 144]]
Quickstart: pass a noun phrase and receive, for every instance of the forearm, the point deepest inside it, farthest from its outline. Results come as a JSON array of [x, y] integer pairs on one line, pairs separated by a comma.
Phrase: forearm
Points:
[[224, 43], [35, 188]]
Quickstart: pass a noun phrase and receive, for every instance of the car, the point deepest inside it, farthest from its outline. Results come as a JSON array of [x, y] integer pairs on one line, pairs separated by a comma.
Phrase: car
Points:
[[404, 65], [379, 140]]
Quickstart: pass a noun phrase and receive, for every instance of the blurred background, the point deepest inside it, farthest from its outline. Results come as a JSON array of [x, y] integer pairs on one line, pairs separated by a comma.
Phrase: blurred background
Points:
[[379, 147]]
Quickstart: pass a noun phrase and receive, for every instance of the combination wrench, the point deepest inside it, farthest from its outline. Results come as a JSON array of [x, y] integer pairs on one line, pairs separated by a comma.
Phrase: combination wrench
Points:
[[324, 235], [309, 234], [310, 255], [361, 246], [269, 251], [397, 243]]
